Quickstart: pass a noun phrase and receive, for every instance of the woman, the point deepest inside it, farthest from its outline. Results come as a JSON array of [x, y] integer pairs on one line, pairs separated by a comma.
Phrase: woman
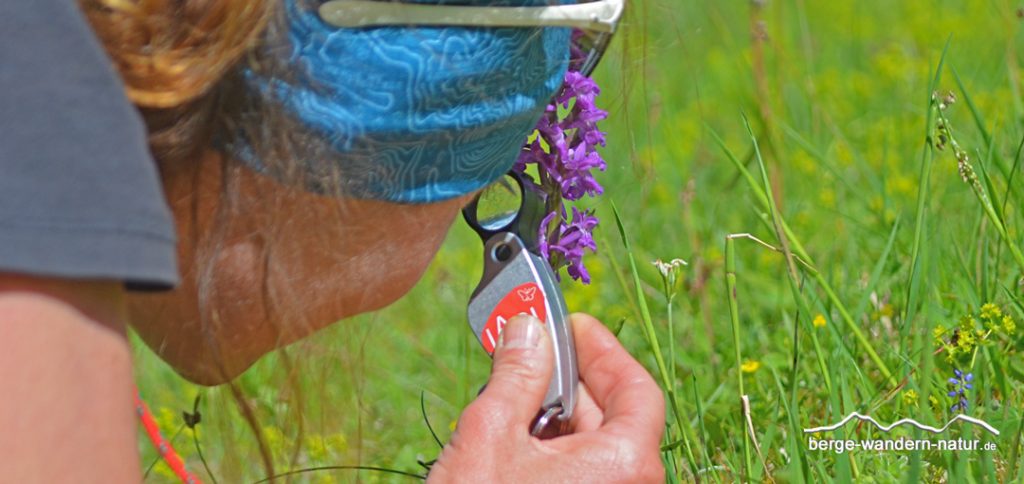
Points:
[[279, 222]]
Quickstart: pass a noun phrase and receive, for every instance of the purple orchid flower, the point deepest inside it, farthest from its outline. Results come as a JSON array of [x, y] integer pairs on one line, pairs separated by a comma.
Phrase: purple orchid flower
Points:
[[565, 154], [570, 241]]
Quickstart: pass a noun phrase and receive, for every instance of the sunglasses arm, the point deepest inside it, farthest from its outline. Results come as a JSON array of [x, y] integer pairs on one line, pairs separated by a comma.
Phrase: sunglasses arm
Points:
[[600, 16]]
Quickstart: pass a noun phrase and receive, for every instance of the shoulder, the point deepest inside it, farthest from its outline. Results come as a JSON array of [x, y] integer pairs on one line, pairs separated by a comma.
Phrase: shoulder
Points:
[[80, 195]]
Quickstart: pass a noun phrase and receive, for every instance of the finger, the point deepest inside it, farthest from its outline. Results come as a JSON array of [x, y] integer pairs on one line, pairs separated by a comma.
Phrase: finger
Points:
[[633, 404], [523, 361], [587, 416]]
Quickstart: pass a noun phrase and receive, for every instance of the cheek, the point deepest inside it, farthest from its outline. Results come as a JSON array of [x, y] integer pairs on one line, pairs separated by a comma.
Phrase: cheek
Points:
[[362, 265], [285, 265], [214, 325]]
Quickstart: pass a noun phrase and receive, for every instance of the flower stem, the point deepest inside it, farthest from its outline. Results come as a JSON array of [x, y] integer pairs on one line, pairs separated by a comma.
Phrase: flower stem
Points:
[[730, 288], [671, 345], [652, 340]]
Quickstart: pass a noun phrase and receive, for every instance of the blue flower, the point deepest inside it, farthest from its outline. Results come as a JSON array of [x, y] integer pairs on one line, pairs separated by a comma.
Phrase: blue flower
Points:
[[960, 384]]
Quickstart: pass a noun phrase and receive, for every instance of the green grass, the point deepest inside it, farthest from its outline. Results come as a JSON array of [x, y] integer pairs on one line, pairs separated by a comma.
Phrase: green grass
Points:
[[866, 224]]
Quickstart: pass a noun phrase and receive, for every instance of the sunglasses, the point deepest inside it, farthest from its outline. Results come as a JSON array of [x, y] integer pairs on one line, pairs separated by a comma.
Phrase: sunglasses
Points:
[[596, 21]]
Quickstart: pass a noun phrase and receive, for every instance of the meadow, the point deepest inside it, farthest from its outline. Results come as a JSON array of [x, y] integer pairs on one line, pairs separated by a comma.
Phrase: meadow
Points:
[[844, 180]]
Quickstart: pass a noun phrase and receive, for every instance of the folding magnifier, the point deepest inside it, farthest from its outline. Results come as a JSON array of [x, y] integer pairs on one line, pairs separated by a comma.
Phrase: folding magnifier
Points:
[[508, 214], [517, 280]]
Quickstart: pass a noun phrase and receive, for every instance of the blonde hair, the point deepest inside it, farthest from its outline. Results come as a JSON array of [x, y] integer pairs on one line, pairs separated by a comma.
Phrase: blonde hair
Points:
[[171, 54]]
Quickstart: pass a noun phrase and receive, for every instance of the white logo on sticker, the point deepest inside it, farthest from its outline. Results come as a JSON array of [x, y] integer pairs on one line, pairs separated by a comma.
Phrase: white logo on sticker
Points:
[[527, 294]]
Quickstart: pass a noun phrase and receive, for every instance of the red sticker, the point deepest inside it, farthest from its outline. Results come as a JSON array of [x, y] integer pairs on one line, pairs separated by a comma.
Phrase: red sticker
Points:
[[525, 299]]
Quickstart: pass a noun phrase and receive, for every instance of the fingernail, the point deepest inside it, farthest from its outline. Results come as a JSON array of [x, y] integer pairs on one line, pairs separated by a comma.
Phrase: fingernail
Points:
[[522, 331]]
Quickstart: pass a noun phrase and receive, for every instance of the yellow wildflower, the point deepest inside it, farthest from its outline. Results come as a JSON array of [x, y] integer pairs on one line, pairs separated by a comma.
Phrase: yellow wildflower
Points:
[[967, 323], [910, 398], [966, 340], [1009, 325], [337, 443], [274, 438], [166, 418], [991, 316], [750, 366], [316, 448], [991, 312], [322, 449], [819, 321], [886, 311]]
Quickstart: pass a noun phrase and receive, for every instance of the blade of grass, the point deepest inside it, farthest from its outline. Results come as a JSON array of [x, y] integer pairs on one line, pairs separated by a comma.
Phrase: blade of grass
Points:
[[984, 197], [986, 136], [730, 288], [307, 470], [876, 272], [1016, 301], [856, 192], [1013, 171], [1014, 460], [990, 188], [795, 432], [799, 251], [866, 385], [426, 420], [923, 380], [703, 429], [672, 346], [1006, 201], [795, 284], [617, 270], [652, 340], [819, 353], [924, 180]]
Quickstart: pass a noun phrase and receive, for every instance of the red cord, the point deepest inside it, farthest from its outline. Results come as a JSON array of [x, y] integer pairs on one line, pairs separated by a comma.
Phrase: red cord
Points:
[[161, 444]]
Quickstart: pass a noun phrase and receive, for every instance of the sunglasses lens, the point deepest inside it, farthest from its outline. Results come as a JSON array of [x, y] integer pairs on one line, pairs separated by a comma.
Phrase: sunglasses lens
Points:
[[588, 48]]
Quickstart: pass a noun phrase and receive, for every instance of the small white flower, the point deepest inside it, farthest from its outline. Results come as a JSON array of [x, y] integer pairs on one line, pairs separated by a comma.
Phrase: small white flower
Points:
[[669, 273], [665, 268]]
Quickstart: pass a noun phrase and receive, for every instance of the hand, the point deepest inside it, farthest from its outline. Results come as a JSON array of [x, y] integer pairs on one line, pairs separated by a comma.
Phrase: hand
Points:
[[617, 424]]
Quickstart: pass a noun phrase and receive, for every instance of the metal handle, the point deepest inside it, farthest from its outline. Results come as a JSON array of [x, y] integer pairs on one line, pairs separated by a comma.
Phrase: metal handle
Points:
[[517, 281]]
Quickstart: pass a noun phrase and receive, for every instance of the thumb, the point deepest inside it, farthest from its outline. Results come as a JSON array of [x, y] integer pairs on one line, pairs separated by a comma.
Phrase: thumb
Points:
[[519, 378]]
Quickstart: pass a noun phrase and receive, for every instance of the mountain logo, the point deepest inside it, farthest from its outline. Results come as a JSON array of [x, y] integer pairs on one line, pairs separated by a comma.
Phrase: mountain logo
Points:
[[906, 421]]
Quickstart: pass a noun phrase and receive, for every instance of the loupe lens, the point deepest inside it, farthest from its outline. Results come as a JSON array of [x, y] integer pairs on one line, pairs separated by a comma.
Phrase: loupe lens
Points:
[[499, 204]]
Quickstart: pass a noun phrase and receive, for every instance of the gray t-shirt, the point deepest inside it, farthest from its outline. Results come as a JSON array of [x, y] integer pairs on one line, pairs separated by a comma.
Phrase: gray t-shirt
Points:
[[79, 192]]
